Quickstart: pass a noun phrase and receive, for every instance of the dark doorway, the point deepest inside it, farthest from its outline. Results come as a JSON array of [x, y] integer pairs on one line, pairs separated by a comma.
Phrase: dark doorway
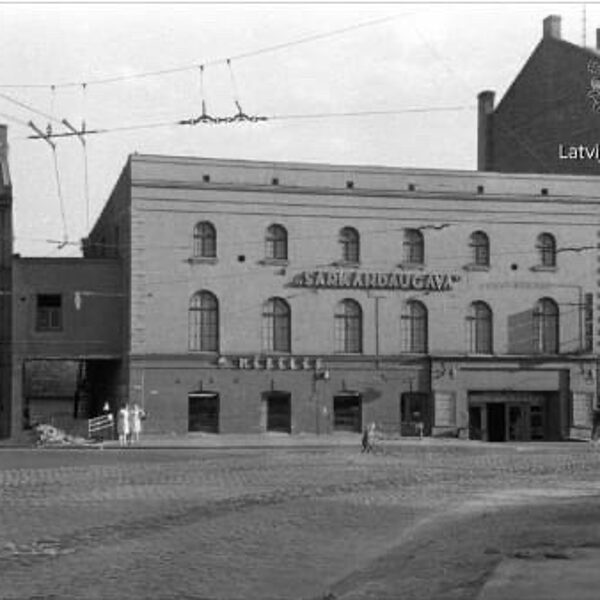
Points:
[[475, 432], [279, 412], [347, 413], [496, 417], [203, 412], [414, 414]]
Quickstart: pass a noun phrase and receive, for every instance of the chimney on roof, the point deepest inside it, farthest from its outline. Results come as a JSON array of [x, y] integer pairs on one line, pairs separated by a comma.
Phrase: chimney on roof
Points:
[[485, 113], [597, 39], [552, 27]]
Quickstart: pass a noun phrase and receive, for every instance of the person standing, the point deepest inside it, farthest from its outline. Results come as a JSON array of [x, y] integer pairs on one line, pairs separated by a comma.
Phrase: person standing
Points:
[[136, 422], [123, 425]]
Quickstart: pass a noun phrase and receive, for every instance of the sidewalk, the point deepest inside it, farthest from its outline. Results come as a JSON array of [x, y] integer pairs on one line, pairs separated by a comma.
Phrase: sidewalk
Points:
[[568, 575], [257, 440]]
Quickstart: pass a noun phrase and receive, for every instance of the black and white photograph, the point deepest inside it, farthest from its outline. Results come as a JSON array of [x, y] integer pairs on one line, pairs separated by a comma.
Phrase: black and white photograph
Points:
[[299, 301]]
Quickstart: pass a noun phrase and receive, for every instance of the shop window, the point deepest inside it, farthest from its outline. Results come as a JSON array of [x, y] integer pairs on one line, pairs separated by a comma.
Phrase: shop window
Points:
[[546, 247], [276, 320], [276, 243], [414, 327], [205, 240], [348, 327], [48, 312], [204, 322], [350, 242], [480, 328], [414, 247], [546, 321], [480, 248]]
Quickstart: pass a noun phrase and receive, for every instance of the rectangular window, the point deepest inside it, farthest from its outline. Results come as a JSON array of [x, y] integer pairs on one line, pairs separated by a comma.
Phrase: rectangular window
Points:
[[48, 312]]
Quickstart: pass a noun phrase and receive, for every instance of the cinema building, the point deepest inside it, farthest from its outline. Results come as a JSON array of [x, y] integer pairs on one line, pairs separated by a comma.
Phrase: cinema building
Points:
[[284, 297]]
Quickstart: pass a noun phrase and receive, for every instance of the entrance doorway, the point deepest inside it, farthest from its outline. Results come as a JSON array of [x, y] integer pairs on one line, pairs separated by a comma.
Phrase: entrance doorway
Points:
[[347, 413], [496, 422], [279, 412], [414, 414], [509, 416], [203, 412]]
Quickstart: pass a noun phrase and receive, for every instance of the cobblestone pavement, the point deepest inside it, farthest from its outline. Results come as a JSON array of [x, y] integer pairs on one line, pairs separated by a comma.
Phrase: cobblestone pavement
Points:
[[260, 524]]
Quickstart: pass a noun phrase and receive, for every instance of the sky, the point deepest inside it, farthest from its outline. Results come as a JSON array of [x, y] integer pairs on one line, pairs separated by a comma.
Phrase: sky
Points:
[[416, 67]]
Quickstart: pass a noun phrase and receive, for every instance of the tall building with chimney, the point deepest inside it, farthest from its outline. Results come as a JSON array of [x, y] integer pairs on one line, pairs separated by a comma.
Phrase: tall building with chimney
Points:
[[549, 119]]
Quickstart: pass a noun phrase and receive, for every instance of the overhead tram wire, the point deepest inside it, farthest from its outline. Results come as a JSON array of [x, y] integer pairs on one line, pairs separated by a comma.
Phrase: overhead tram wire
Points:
[[29, 108], [218, 61], [282, 117]]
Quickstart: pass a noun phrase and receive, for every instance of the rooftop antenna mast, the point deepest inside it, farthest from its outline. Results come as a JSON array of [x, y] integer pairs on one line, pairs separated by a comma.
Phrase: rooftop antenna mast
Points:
[[584, 36]]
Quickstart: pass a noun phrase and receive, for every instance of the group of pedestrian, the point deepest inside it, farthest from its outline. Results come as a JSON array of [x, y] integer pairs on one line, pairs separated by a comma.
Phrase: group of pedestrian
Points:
[[129, 423]]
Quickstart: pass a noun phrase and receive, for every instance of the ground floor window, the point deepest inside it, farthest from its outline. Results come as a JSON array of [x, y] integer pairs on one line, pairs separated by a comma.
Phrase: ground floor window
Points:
[[278, 406], [347, 413], [203, 412]]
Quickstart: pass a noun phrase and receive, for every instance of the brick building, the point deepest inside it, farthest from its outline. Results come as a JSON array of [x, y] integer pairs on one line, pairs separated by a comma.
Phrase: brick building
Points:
[[292, 297], [68, 345], [549, 119]]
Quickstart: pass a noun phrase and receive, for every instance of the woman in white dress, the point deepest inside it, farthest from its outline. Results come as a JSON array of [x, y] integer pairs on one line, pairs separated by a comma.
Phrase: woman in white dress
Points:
[[123, 425], [136, 422]]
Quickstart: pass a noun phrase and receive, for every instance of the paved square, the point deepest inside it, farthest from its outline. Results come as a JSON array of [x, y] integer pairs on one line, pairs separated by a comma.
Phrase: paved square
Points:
[[430, 520]]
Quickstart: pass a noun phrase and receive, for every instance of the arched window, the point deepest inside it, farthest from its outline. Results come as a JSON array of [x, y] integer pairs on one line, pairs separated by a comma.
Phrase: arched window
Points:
[[414, 327], [480, 247], [414, 247], [277, 328], [546, 245], [276, 243], [545, 318], [480, 328], [348, 327], [205, 240], [350, 242], [204, 322]]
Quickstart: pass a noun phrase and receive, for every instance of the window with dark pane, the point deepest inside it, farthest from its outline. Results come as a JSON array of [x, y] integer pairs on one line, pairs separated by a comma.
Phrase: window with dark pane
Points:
[[276, 325], [277, 243], [204, 322], [350, 242], [348, 327], [48, 312], [414, 247], [205, 240]]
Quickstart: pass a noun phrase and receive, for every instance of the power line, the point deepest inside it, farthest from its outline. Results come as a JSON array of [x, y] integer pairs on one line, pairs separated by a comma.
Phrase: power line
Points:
[[255, 119], [29, 107], [217, 61]]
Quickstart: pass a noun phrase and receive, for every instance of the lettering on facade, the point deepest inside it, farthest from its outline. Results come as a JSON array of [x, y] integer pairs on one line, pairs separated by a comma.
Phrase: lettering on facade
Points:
[[376, 280], [270, 363]]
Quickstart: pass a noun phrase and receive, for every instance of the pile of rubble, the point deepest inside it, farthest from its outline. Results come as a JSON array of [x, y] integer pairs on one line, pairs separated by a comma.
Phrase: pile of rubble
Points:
[[48, 435]]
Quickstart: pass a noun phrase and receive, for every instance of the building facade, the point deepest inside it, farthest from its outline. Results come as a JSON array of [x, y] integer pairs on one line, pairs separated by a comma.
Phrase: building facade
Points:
[[316, 298], [67, 350], [549, 119]]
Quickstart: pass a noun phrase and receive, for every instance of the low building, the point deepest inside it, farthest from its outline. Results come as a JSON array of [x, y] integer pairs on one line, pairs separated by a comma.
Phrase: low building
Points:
[[292, 297], [68, 345]]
